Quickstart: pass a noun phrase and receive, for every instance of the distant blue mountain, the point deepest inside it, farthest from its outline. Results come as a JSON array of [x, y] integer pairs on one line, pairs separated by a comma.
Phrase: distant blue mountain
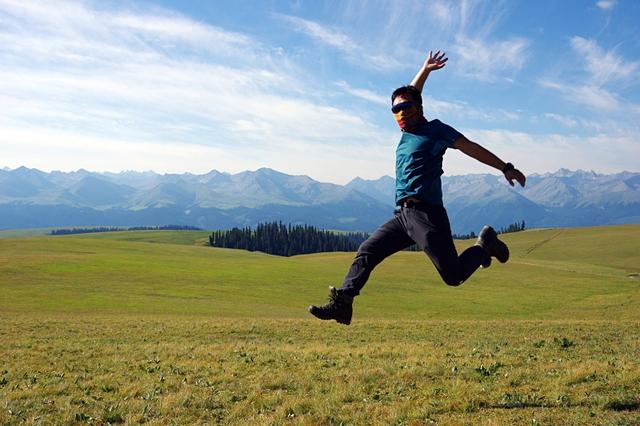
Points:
[[382, 189], [562, 198], [216, 200]]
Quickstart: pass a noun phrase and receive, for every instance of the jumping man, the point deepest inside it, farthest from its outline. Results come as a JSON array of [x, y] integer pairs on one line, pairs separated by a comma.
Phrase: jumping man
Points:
[[420, 216]]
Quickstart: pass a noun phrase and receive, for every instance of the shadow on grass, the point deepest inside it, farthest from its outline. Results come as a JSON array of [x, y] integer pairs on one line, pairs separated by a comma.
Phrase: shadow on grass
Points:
[[630, 404]]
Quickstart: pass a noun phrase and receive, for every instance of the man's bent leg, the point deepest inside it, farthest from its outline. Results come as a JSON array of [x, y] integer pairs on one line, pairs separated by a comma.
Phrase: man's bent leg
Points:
[[388, 239], [430, 228]]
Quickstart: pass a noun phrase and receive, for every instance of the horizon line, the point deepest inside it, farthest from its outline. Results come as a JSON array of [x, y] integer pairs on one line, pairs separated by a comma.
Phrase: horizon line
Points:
[[82, 169]]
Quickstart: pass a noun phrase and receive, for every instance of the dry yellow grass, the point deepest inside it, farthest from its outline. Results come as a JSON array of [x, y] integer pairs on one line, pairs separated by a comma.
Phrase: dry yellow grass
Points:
[[159, 370]]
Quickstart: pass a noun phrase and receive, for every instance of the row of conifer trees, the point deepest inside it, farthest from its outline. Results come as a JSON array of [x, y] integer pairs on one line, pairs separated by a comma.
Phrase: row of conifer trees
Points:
[[289, 240], [286, 240]]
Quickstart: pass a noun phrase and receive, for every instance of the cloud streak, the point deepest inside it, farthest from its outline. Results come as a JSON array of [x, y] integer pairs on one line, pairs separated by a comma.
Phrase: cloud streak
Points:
[[589, 95], [334, 38], [478, 53], [604, 66], [606, 4], [484, 59]]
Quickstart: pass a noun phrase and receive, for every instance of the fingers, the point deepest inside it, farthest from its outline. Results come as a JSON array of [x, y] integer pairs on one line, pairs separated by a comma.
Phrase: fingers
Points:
[[517, 175], [441, 60], [437, 60]]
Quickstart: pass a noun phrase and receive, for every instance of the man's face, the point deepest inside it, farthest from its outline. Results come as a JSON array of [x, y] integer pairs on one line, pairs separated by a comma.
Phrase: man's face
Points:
[[406, 111]]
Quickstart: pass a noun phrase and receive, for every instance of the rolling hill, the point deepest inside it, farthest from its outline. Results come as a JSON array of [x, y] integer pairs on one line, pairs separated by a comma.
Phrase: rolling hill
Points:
[[556, 273]]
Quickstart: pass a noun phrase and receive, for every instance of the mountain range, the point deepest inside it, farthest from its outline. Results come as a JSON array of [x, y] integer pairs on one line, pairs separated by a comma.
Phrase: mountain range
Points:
[[30, 198]]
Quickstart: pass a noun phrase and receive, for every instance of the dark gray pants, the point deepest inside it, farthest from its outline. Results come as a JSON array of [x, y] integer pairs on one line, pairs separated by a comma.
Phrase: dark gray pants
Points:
[[427, 225]]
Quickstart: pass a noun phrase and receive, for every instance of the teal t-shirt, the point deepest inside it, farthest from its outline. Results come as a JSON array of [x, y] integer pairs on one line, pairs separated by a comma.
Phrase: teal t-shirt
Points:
[[419, 161]]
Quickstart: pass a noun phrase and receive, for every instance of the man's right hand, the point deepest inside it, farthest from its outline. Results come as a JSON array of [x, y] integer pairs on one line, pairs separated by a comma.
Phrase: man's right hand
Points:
[[435, 62]]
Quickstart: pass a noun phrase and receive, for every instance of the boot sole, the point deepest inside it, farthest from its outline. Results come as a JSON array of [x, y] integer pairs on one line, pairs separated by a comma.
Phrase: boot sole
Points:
[[502, 251]]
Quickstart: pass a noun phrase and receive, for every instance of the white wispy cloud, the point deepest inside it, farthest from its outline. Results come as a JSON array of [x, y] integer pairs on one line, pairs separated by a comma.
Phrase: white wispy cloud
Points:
[[355, 52], [592, 96], [604, 66], [606, 4], [604, 71], [477, 51], [442, 12], [366, 94], [467, 29], [565, 120], [485, 59]]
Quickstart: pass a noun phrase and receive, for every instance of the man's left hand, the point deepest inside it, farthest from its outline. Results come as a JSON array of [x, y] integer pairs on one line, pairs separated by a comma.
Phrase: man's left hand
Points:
[[515, 174]]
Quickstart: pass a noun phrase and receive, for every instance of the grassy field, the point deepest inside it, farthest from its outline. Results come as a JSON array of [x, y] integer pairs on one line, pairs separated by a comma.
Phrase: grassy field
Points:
[[153, 327]]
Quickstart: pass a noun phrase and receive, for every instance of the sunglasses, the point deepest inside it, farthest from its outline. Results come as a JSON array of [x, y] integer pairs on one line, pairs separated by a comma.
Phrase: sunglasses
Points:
[[402, 106]]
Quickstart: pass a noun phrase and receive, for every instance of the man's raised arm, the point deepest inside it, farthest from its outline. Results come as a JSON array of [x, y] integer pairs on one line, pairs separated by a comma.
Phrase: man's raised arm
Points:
[[432, 63]]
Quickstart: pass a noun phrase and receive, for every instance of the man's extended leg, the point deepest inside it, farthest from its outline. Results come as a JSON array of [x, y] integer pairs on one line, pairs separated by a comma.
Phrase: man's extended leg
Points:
[[386, 240], [430, 228]]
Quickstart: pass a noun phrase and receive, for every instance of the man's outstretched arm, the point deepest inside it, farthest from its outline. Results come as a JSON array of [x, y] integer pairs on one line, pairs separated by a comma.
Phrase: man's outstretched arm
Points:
[[485, 156], [432, 63]]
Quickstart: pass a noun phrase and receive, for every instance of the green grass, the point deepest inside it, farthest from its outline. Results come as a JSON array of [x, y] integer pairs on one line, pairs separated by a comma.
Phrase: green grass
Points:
[[553, 274], [190, 238], [153, 327], [169, 237]]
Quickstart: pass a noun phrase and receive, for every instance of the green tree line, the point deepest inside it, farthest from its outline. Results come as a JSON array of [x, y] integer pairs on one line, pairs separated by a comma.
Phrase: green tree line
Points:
[[514, 227], [69, 231], [286, 240]]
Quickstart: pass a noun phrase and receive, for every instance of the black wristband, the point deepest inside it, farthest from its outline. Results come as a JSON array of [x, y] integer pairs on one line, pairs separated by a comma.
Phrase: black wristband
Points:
[[507, 167]]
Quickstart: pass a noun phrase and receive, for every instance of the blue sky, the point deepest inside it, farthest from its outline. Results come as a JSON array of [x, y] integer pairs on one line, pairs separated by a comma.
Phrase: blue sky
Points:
[[303, 86]]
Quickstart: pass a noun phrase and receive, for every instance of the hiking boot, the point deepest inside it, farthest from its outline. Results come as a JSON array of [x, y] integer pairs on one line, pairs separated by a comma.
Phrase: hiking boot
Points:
[[488, 240], [339, 307]]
